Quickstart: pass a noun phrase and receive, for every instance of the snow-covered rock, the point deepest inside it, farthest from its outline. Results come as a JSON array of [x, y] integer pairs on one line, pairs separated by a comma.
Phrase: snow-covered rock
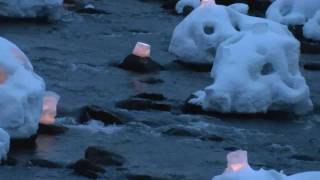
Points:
[[239, 169], [292, 12], [198, 36], [311, 29], [4, 144], [28, 8], [21, 92], [257, 71]]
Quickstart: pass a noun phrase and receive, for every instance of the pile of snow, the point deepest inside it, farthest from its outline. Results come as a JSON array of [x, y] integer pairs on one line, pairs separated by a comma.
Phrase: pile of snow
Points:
[[239, 169], [297, 12], [257, 71], [29, 8], [4, 144], [21, 92], [198, 36]]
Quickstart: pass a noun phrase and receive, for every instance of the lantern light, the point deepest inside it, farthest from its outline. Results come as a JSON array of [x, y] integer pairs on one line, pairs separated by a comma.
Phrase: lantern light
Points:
[[142, 50], [49, 109], [237, 161]]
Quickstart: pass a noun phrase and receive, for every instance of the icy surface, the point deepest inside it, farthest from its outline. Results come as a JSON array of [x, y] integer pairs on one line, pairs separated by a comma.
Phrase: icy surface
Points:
[[28, 8], [198, 36], [311, 29], [4, 144], [257, 71], [292, 12], [21, 92]]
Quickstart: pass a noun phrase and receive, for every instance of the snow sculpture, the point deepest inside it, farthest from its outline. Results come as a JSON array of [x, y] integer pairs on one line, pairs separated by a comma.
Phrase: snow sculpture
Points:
[[21, 92], [4, 144], [28, 8], [247, 173], [311, 29], [49, 109], [256, 71], [198, 36]]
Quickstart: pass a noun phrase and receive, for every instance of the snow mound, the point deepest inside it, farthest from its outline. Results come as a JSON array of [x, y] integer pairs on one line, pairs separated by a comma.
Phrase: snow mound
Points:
[[256, 71], [28, 8], [239, 169], [21, 92], [4, 144], [311, 29], [198, 36]]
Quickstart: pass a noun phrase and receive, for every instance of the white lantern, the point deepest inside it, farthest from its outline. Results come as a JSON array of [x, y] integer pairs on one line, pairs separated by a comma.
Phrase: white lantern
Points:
[[237, 161], [142, 50], [49, 110]]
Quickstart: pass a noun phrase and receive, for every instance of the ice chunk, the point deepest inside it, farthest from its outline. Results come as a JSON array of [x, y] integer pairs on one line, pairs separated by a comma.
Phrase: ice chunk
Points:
[[49, 109], [21, 92]]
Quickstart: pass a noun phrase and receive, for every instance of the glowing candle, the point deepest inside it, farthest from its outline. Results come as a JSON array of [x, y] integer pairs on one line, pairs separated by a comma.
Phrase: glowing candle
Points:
[[237, 161], [142, 50], [49, 109], [207, 2], [3, 75]]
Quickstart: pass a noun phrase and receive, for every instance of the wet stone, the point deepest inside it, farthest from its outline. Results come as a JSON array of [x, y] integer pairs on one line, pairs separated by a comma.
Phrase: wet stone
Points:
[[51, 129], [45, 163], [181, 131], [151, 96], [143, 105], [20, 144], [151, 80], [140, 65], [102, 156], [197, 67], [88, 169], [90, 112], [213, 137]]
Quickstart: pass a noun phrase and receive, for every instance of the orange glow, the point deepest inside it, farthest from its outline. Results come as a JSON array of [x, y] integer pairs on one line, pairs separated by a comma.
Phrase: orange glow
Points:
[[49, 109], [3, 75], [237, 161], [22, 58], [142, 50]]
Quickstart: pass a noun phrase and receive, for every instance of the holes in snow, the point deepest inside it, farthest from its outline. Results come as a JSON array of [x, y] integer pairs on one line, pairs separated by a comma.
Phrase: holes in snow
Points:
[[208, 29], [187, 10], [285, 10], [267, 69]]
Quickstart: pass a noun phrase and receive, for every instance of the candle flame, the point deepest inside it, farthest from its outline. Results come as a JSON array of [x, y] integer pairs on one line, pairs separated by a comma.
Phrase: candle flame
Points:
[[49, 109], [237, 161], [142, 50]]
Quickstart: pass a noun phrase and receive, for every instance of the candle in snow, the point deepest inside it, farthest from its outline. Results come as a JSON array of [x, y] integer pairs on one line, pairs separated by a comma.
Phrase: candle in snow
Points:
[[49, 109], [142, 50]]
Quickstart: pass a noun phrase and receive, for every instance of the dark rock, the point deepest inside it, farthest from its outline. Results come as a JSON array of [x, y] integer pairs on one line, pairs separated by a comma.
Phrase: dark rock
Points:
[[181, 131], [144, 177], [151, 80], [169, 4], [97, 113], [213, 137], [312, 66], [99, 155], [197, 67], [45, 163], [303, 157], [10, 161], [51, 129], [140, 65], [308, 46], [86, 10], [140, 105], [151, 96], [230, 149], [88, 169], [22, 144]]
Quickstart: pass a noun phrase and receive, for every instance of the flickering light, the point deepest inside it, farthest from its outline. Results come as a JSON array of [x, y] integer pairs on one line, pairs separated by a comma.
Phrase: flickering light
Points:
[[207, 2], [237, 161], [49, 108], [142, 50], [3, 75]]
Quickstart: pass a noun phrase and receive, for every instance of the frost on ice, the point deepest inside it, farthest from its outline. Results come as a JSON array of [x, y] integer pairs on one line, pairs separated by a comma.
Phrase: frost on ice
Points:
[[257, 71], [297, 12], [198, 36], [21, 92], [28, 8], [239, 159], [4, 144]]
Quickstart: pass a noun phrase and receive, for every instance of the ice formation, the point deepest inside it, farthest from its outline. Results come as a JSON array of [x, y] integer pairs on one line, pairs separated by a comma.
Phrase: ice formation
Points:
[[198, 36], [247, 173], [21, 92], [257, 71], [49, 107], [184, 3], [4, 144], [311, 29], [28, 8]]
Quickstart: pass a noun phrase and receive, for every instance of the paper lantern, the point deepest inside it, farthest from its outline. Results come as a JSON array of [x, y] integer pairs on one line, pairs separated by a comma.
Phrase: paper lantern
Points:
[[49, 110], [142, 50]]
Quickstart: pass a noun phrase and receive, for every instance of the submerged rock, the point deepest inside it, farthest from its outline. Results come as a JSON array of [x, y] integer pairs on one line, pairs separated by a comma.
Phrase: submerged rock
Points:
[[100, 155], [97, 113], [140, 64], [88, 169], [51, 129], [45, 163]]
